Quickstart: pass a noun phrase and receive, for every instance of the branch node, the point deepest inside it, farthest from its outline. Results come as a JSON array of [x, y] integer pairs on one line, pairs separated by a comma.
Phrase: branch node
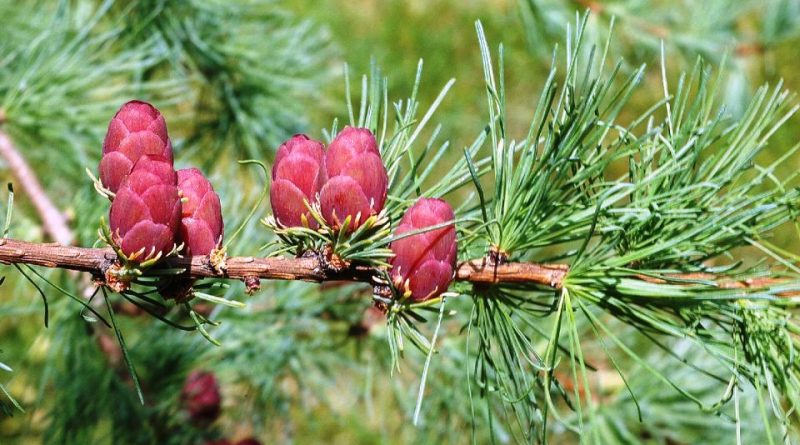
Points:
[[382, 290], [218, 260], [251, 284], [114, 278], [333, 262], [497, 257]]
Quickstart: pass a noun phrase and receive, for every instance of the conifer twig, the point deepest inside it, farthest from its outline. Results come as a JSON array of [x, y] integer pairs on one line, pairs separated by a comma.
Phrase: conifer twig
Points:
[[97, 261], [53, 221], [478, 271]]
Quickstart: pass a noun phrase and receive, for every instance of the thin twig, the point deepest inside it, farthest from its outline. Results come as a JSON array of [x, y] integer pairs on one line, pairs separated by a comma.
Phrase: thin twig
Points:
[[53, 221]]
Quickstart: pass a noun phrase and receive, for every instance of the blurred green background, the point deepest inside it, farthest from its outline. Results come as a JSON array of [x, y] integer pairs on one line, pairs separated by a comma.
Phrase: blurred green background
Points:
[[285, 376]]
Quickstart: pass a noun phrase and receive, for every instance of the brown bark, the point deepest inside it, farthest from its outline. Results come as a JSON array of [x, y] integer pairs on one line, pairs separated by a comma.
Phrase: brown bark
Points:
[[252, 269], [97, 261]]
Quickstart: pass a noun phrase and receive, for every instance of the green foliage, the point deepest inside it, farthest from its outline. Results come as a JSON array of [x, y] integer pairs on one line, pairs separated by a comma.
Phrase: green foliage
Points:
[[643, 25], [59, 87], [547, 185], [751, 31], [252, 66], [693, 194], [82, 403], [7, 404]]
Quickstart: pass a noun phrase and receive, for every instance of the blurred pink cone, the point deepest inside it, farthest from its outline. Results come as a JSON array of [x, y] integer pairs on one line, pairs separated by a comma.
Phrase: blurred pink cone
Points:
[[201, 397]]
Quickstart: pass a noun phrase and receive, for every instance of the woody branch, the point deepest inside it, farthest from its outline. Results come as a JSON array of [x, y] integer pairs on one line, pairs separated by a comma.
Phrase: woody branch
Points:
[[97, 261], [479, 271]]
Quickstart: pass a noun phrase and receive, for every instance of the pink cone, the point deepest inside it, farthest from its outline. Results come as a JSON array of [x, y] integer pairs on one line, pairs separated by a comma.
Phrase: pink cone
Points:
[[146, 210], [297, 176], [424, 263], [358, 181], [201, 225], [138, 129]]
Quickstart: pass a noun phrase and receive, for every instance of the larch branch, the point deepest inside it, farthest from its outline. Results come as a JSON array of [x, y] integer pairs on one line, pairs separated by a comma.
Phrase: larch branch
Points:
[[252, 269], [97, 261]]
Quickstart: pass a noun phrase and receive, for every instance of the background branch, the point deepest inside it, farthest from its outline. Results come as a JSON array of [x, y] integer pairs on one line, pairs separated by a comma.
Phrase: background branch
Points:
[[53, 221]]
